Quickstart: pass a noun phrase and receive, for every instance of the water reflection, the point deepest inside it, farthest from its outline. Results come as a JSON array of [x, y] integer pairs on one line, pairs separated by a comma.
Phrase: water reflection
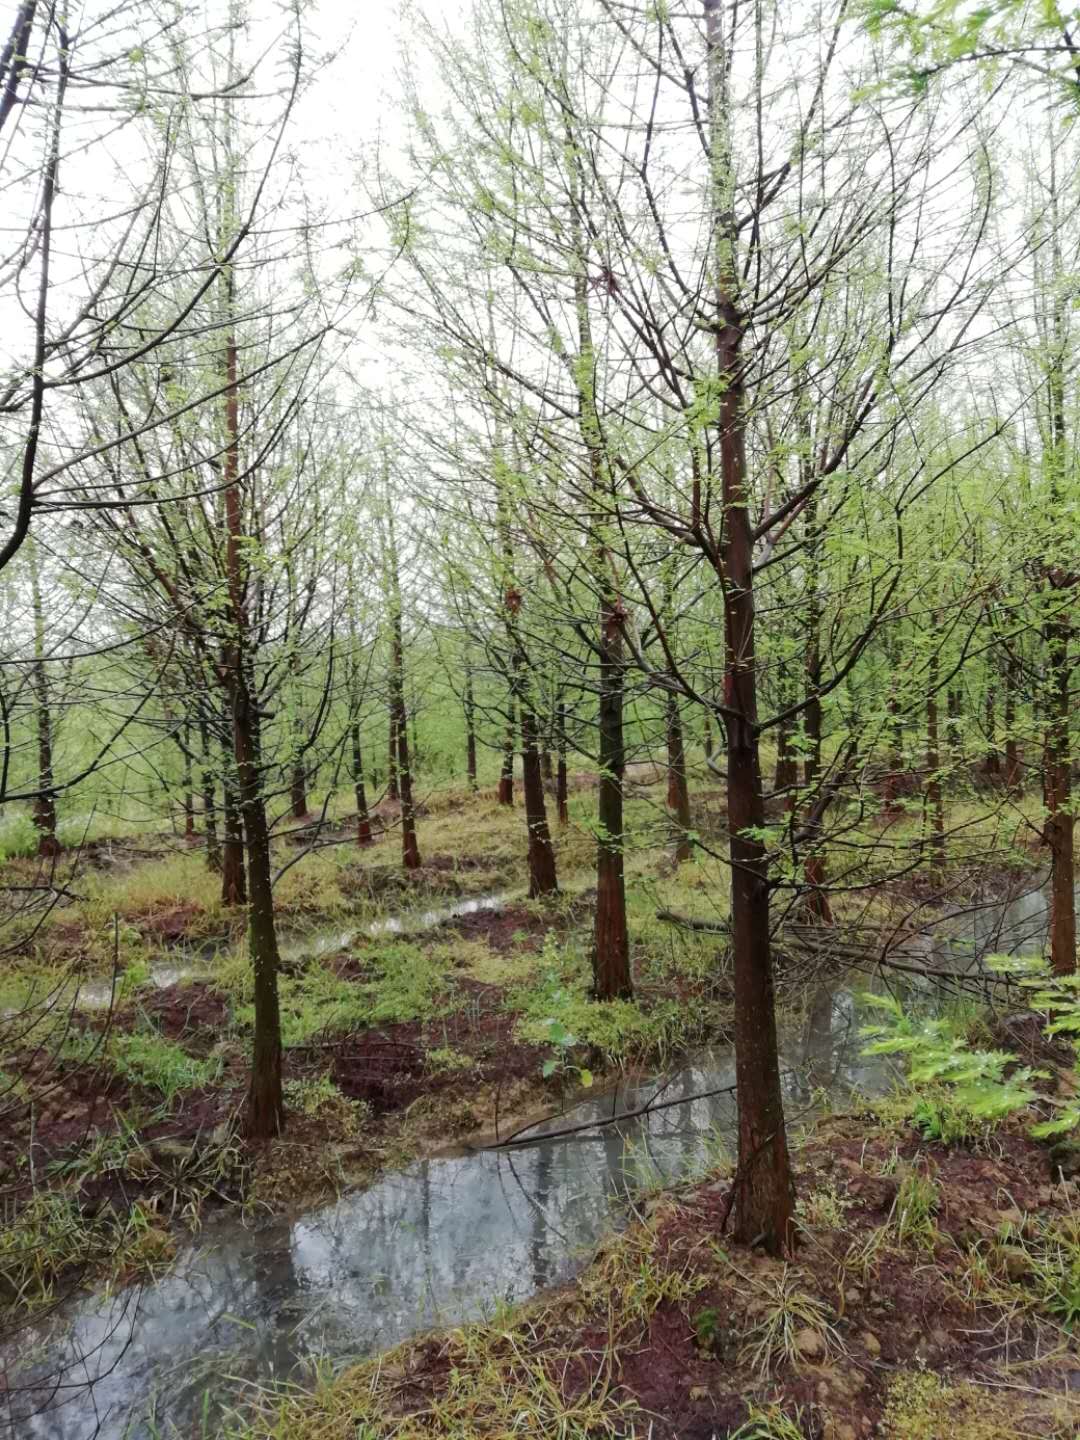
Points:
[[444, 1241]]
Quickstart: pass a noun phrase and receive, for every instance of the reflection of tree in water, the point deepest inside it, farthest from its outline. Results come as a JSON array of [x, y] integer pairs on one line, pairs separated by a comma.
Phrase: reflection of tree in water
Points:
[[819, 1069]]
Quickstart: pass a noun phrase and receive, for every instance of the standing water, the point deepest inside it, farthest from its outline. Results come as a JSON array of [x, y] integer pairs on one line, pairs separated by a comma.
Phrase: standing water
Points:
[[444, 1241]]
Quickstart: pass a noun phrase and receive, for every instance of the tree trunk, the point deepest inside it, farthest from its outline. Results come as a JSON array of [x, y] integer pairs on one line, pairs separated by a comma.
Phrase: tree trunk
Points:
[[506, 774], [611, 941], [1014, 780], [393, 789], [993, 759], [561, 801], [206, 780], [233, 879], [786, 778], [363, 819], [298, 792], [542, 878], [470, 731], [399, 717], [265, 1112], [816, 905], [895, 728], [935, 790], [189, 789], [48, 843], [678, 791], [764, 1196], [956, 737], [1059, 829]]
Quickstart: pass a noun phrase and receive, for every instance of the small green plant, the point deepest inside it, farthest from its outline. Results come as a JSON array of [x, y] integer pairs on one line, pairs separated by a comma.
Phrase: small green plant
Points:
[[147, 1059], [560, 1063], [446, 1060], [979, 1090], [708, 1330], [320, 1097], [913, 1211], [823, 1208]]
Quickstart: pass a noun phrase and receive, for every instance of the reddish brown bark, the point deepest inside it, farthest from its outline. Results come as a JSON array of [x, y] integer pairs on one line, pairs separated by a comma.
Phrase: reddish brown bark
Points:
[[611, 941], [363, 819], [542, 876], [763, 1190]]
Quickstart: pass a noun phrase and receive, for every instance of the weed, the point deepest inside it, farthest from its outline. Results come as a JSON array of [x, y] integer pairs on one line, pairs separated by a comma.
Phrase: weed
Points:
[[147, 1059], [771, 1423], [447, 1061], [913, 1211], [862, 1259], [823, 1208], [321, 1098], [708, 1330], [788, 1312], [49, 1236]]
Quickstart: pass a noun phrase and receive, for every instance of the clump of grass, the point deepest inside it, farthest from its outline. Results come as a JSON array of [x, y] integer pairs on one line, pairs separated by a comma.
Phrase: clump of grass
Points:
[[913, 1211], [632, 1269], [147, 1059], [48, 1238], [500, 1384], [771, 1423], [618, 1029], [320, 1097], [823, 1208], [447, 1061], [788, 1311]]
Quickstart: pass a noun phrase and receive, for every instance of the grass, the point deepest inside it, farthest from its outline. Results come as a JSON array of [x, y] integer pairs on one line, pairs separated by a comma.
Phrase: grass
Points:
[[146, 1059], [789, 1314], [44, 1240]]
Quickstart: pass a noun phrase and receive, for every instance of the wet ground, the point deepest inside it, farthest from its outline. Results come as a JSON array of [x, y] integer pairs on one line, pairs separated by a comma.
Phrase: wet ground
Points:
[[445, 1240]]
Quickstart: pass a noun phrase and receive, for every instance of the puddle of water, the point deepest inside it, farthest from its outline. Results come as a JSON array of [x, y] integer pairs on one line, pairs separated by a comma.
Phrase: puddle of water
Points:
[[100, 994], [442, 1242], [310, 945], [315, 943]]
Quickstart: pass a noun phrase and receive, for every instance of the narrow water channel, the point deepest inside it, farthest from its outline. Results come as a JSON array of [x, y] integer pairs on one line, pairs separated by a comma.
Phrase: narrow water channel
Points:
[[444, 1241]]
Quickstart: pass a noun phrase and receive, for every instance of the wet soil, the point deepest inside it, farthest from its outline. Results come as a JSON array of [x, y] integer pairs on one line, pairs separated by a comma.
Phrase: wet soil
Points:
[[915, 1307]]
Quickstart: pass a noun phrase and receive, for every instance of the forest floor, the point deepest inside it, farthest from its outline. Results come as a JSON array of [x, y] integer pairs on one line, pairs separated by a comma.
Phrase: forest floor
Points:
[[932, 1297], [129, 1015], [123, 1073]]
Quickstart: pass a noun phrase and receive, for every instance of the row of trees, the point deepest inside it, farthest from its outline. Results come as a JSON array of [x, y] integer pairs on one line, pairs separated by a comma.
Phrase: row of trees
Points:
[[734, 397]]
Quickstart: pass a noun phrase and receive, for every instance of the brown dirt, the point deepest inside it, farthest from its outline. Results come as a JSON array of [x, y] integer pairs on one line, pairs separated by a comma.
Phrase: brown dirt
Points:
[[391, 1067], [911, 1312], [499, 928]]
